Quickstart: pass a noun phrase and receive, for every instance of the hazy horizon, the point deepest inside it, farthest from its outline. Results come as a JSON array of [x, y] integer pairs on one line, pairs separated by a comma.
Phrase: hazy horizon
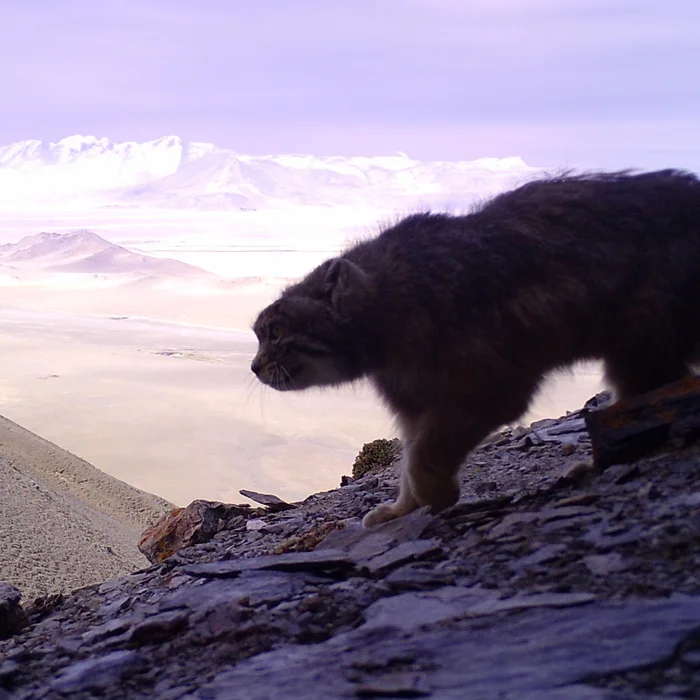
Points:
[[587, 83]]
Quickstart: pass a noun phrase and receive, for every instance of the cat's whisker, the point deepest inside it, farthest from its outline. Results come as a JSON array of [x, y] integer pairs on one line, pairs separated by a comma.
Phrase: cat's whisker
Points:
[[289, 377], [262, 395], [279, 381], [250, 391], [251, 381]]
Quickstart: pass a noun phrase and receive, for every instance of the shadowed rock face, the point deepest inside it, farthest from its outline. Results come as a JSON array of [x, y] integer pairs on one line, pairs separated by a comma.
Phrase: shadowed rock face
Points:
[[12, 617], [548, 580]]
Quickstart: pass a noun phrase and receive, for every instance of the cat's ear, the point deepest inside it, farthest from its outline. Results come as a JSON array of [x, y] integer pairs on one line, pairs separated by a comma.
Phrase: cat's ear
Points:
[[346, 283]]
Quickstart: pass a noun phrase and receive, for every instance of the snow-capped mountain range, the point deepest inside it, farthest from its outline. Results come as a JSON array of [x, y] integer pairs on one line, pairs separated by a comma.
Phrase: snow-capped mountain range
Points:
[[168, 172]]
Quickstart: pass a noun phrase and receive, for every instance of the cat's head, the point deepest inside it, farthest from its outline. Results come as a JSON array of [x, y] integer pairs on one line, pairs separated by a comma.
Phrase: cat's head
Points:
[[311, 336]]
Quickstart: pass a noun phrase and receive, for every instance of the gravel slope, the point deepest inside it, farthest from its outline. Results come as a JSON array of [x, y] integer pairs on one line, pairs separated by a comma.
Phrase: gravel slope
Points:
[[63, 523]]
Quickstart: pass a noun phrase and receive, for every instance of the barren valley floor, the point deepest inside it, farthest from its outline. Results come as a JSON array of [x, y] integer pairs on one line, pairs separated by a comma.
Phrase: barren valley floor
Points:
[[171, 407]]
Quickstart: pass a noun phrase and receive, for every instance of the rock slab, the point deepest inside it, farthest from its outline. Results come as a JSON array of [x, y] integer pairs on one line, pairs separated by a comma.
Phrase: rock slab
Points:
[[545, 654]]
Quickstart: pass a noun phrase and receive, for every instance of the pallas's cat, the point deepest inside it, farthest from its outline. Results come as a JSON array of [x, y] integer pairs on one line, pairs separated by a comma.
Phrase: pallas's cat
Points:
[[456, 319]]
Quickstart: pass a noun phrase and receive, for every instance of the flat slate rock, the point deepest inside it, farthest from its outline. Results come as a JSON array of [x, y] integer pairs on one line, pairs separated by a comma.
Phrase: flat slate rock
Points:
[[543, 654], [317, 560], [401, 554], [96, 674], [272, 502], [363, 542], [411, 611], [538, 557]]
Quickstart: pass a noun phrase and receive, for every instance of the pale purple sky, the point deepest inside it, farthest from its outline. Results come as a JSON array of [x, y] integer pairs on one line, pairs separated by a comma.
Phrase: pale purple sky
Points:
[[593, 83]]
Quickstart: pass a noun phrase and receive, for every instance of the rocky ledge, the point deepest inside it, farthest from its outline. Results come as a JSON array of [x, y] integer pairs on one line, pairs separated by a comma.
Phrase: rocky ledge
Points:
[[550, 579]]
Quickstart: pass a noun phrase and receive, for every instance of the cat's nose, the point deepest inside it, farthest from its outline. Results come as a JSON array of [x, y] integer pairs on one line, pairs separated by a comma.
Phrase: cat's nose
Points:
[[256, 366]]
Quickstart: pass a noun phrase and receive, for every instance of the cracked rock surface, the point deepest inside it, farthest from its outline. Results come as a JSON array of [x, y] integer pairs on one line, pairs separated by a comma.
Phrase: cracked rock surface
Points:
[[548, 580]]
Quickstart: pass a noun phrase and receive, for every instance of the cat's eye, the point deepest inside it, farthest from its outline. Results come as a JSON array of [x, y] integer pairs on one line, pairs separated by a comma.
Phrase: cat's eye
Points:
[[275, 333]]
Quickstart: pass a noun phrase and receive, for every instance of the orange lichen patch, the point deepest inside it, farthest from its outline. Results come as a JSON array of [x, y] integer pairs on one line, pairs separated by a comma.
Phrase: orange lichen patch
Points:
[[620, 413], [308, 541], [159, 539], [631, 429], [183, 527]]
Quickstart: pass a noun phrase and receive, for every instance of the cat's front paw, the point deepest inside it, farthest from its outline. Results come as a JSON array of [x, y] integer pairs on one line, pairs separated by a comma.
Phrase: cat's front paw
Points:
[[380, 514]]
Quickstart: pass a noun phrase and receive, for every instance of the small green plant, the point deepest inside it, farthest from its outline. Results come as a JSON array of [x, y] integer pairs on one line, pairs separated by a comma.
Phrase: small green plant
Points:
[[376, 455]]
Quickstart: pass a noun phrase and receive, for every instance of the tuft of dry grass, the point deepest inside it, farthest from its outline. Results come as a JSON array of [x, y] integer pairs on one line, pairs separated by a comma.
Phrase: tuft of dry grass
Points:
[[376, 455]]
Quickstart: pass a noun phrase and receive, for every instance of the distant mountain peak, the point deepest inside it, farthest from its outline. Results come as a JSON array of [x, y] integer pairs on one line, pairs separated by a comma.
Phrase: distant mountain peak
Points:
[[168, 172], [84, 251]]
